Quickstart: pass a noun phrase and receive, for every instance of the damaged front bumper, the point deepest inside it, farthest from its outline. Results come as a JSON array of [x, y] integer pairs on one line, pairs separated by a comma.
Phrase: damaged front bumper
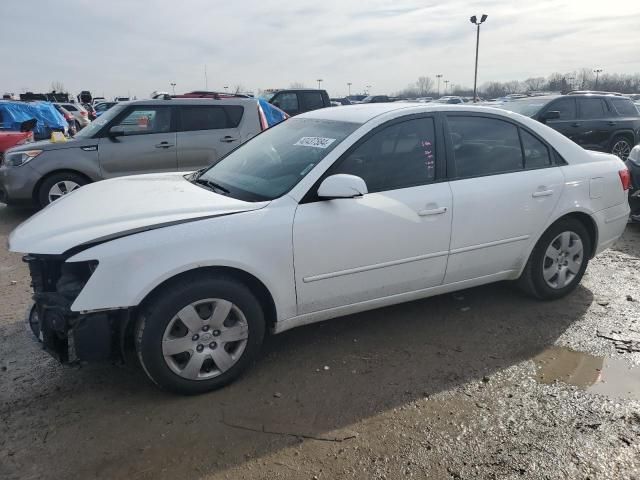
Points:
[[71, 336]]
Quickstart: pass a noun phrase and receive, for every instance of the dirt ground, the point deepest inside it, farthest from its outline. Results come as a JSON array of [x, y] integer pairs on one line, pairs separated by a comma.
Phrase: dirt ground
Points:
[[484, 383]]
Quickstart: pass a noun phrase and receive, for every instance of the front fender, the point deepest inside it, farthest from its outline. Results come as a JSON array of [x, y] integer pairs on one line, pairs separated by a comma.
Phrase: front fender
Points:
[[257, 242]]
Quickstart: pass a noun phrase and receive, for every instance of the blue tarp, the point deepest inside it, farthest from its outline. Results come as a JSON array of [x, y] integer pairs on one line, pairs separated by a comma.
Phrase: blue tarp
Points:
[[14, 113], [273, 114]]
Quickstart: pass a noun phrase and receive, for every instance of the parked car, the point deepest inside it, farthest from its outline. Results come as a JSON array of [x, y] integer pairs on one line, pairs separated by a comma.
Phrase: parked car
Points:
[[72, 127], [122, 99], [13, 115], [633, 164], [80, 114], [100, 108], [12, 138], [603, 122], [302, 224], [450, 100], [342, 101], [97, 100], [376, 99], [132, 138], [296, 101], [90, 111]]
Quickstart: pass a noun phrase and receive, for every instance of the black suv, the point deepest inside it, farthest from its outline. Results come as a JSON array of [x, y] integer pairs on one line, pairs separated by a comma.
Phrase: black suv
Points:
[[295, 101], [604, 122]]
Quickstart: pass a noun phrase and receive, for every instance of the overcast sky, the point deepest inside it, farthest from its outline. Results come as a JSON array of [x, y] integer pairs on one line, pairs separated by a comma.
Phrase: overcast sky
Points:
[[116, 47]]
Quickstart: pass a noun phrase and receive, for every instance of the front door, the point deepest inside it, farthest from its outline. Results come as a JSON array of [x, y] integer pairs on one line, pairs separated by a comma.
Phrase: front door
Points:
[[393, 240], [568, 123], [148, 143], [505, 187]]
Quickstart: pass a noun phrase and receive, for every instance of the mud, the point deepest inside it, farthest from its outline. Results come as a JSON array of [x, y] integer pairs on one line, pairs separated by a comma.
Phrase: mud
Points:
[[471, 385]]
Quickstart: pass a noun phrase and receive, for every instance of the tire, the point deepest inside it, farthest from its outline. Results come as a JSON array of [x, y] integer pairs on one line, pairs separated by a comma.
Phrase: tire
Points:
[[73, 181], [621, 147], [533, 281], [199, 361]]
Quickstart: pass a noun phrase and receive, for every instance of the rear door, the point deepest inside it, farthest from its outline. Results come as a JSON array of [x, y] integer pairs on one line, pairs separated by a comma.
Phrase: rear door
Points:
[[568, 123], [206, 133], [148, 144], [311, 100], [505, 187], [596, 123]]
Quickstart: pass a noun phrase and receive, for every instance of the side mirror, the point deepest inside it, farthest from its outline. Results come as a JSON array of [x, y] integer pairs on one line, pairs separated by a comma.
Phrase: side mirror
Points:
[[342, 185], [550, 115], [116, 131]]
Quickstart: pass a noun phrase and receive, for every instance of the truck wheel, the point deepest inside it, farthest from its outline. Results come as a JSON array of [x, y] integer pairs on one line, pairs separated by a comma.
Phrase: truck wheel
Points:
[[558, 261], [58, 185], [200, 334]]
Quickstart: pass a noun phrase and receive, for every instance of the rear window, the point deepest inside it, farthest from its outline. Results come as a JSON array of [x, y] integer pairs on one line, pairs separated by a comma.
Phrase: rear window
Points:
[[209, 117], [624, 106]]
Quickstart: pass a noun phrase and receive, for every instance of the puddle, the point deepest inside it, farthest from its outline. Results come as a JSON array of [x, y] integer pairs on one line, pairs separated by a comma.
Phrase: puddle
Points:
[[605, 376]]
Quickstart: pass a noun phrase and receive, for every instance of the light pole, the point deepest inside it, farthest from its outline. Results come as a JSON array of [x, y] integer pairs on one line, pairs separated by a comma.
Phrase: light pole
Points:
[[571, 79], [368, 89], [349, 87], [474, 20], [319, 82], [173, 86], [597, 71], [226, 87], [439, 76], [446, 84]]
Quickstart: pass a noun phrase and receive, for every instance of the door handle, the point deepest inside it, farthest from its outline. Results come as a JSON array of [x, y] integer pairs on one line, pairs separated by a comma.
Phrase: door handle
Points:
[[611, 123], [542, 193], [575, 124], [433, 211], [164, 145], [228, 139]]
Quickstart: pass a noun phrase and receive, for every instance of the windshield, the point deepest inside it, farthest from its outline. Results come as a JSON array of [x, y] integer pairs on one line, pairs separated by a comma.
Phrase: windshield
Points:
[[524, 107], [93, 128], [272, 163]]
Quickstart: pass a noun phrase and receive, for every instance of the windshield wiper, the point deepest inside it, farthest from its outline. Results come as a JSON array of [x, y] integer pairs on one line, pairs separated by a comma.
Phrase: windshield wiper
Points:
[[212, 185]]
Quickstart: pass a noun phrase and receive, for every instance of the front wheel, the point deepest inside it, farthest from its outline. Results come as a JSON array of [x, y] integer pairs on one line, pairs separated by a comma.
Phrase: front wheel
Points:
[[199, 335], [58, 185], [558, 261]]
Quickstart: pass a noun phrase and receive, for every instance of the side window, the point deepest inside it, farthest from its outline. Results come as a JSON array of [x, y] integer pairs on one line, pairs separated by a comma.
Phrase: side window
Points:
[[234, 115], [287, 102], [145, 120], [591, 108], [624, 106], [312, 100], [399, 156], [71, 108], [484, 146], [202, 118], [536, 153], [566, 107]]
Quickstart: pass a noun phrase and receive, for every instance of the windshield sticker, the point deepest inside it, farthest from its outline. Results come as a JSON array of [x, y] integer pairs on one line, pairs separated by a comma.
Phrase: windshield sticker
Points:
[[316, 142]]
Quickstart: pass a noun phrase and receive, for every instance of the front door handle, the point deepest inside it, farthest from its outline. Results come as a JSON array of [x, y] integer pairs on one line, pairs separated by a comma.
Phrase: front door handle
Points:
[[228, 139], [432, 211], [164, 145], [542, 193]]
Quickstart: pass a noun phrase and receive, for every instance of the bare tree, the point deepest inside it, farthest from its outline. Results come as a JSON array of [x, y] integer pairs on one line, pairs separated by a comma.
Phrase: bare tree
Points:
[[513, 86], [57, 86], [424, 85], [535, 84], [297, 85], [239, 88]]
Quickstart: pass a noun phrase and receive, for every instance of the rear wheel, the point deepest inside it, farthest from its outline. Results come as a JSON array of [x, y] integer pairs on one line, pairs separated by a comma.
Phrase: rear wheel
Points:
[[558, 261], [199, 335], [621, 147], [58, 185]]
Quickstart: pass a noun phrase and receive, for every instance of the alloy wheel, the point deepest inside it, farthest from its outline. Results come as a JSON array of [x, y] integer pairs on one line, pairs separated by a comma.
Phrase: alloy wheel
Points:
[[62, 188], [205, 339], [563, 260], [621, 149]]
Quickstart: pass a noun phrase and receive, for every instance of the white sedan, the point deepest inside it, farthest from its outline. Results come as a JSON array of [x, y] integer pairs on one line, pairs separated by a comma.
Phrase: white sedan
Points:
[[332, 212]]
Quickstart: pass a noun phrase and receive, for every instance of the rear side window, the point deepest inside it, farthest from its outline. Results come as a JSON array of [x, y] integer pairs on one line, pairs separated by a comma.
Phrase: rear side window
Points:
[[287, 102], [536, 153], [624, 106], [591, 108], [234, 115], [484, 146], [311, 100], [566, 107], [202, 118]]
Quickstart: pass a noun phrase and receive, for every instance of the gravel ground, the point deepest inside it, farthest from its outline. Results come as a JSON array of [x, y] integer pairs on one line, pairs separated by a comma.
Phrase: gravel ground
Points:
[[484, 383]]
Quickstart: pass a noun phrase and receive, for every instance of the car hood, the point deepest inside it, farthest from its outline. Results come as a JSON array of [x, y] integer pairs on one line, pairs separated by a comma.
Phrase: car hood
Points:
[[112, 208], [48, 145]]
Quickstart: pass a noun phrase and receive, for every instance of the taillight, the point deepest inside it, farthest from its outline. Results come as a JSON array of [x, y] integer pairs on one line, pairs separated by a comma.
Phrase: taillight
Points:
[[625, 178], [84, 113], [69, 117]]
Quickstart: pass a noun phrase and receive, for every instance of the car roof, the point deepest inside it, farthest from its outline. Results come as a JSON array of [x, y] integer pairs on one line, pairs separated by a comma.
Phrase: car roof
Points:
[[363, 112], [193, 101]]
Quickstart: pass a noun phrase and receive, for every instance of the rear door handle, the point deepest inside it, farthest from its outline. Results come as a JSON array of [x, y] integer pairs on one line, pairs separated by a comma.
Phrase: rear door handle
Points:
[[164, 145], [228, 139], [542, 193], [432, 211]]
